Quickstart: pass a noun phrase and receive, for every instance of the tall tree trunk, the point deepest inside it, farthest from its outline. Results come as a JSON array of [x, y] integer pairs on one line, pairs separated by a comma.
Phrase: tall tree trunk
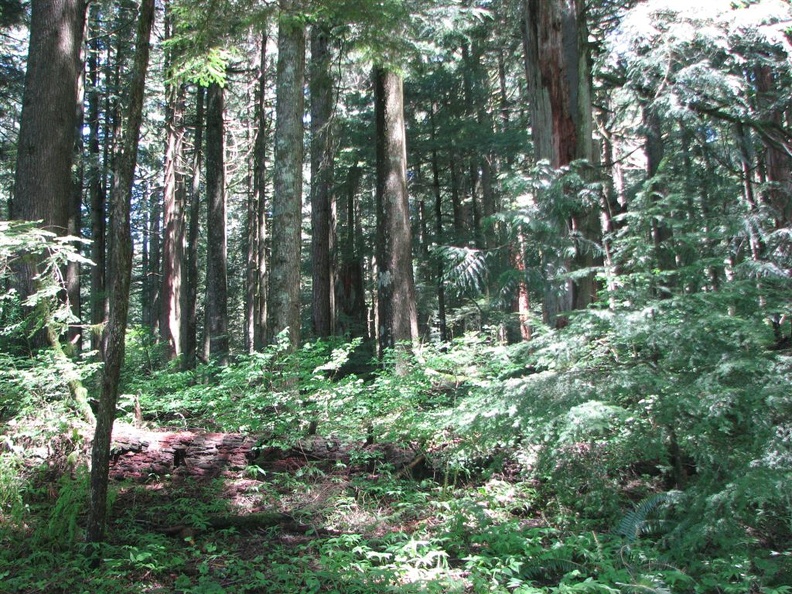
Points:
[[251, 253], [173, 199], [456, 198], [216, 251], [74, 228], [612, 198], [439, 239], [173, 224], [119, 276], [189, 308], [555, 42], [43, 180], [283, 301], [322, 219], [350, 290], [397, 312], [260, 195], [151, 295], [96, 187]]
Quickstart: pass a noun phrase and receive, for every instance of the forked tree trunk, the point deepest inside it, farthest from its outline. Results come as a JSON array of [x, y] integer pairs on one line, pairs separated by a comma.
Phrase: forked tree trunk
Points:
[[283, 301], [119, 276], [397, 312]]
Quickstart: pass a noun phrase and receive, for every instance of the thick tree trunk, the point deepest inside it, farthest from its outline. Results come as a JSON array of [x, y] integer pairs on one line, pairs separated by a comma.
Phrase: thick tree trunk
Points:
[[189, 308], [216, 250], [322, 207], [119, 276], [398, 319], [283, 301], [43, 180]]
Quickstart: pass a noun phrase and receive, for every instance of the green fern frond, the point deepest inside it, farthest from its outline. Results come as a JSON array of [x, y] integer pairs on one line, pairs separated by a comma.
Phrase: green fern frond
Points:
[[646, 586], [468, 269]]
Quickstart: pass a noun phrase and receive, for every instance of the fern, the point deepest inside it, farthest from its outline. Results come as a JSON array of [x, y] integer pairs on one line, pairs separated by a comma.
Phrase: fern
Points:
[[634, 523], [549, 568]]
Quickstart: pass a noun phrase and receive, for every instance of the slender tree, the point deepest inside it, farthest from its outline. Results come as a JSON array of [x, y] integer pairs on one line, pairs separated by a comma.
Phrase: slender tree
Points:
[[259, 197], [350, 291], [322, 204], [96, 181], [119, 277], [216, 328], [189, 307]]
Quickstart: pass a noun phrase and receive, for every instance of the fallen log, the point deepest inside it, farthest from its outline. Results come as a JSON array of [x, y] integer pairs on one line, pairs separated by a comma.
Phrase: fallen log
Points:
[[248, 522]]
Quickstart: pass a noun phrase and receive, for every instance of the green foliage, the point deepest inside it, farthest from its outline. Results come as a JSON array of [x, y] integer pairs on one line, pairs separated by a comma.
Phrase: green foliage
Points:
[[24, 242]]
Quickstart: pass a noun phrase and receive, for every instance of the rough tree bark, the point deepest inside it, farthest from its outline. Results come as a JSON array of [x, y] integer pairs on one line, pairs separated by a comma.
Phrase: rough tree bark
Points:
[[119, 277], [283, 300], [555, 43]]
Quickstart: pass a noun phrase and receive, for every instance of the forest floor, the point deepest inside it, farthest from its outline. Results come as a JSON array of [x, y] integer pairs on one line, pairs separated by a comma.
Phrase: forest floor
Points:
[[233, 502]]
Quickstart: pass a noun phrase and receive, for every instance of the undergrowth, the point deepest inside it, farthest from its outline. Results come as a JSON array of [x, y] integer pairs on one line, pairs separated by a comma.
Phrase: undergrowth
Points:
[[619, 455]]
